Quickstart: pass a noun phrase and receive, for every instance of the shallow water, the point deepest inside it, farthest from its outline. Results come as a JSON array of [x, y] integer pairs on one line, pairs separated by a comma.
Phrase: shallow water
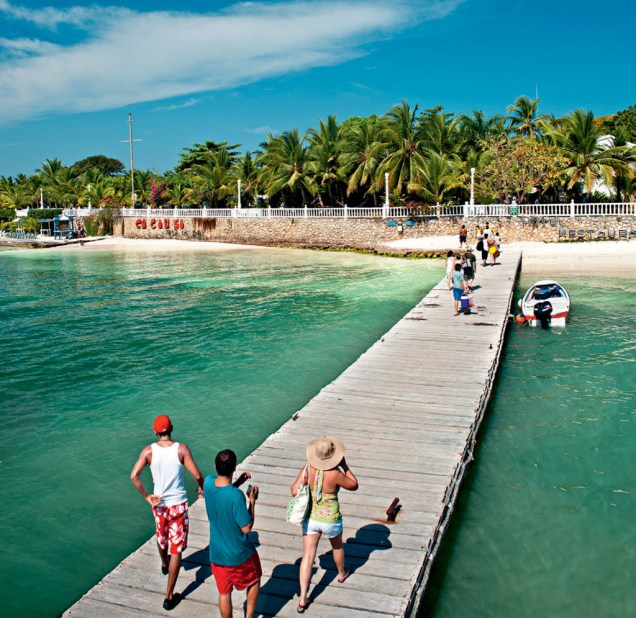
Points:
[[545, 521], [94, 345]]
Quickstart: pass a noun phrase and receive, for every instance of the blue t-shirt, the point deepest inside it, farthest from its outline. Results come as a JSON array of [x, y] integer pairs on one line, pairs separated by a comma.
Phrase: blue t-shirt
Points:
[[227, 514], [457, 277]]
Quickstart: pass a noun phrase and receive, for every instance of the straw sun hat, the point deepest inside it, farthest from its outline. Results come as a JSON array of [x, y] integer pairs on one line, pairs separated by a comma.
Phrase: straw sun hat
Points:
[[325, 453]]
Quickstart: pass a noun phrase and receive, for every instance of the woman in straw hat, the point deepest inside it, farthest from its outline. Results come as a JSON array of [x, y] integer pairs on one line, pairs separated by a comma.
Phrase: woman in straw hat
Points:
[[327, 472]]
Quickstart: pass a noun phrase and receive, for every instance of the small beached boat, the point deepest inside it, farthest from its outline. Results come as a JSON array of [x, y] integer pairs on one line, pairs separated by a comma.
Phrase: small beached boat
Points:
[[546, 303]]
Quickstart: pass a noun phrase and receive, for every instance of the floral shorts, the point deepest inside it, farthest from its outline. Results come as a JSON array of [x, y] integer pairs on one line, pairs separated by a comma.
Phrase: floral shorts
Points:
[[172, 525]]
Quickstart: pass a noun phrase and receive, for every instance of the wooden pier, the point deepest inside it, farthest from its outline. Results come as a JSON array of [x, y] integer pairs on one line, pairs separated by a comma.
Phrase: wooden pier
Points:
[[408, 411]]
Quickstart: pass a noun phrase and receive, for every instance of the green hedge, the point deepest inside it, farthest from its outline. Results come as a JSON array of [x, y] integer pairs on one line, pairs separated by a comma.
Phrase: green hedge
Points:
[[44, 213], [7, 214]]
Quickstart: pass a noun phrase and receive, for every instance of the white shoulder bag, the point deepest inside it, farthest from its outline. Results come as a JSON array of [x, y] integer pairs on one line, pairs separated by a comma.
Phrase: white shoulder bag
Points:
[[298, 507]]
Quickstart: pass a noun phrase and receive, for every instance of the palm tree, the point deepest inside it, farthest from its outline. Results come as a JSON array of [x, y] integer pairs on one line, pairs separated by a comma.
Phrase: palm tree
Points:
[[177, 190], [143, 184], [97, 191], [523, 119], [285, 170], [212, 180], [200, 154], [590, 159], [323, 153], [476, 128], [361, 154], [13, 194], [435, 179], [440, 133], [247, 171], [404, 146], [50, 177]]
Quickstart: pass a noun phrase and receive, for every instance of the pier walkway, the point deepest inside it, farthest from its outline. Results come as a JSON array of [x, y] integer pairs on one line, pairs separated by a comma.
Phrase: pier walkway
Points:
[[408, 411]]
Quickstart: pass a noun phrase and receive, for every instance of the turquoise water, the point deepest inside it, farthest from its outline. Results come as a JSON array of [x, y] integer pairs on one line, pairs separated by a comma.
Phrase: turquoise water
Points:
[[545, 521], [95, 344]]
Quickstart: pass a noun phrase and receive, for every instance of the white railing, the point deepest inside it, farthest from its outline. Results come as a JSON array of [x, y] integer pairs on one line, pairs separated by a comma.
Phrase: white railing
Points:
[[464, 211]]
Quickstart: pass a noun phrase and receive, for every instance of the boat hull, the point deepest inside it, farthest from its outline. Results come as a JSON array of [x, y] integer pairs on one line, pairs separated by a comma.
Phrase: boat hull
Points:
[[543, 292]]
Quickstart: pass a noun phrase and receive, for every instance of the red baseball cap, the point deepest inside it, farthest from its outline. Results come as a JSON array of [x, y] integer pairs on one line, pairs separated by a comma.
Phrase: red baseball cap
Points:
[[162, 424]]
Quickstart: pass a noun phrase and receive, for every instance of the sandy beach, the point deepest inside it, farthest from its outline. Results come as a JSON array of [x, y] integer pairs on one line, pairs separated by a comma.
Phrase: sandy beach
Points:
[[109, 243], [575, 257], [568, 257]]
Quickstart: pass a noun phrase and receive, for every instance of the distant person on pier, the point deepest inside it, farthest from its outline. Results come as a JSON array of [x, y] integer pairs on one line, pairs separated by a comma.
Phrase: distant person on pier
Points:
[[469, 267], [169, 500], [326, 472], [481, 246], [459, 286], [492, 250], [450, 265], [233, 557], [463, 235]]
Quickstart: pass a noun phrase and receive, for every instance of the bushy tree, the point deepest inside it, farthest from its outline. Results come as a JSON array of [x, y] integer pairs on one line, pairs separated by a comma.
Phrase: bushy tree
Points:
[[104, 165], [518, 166]]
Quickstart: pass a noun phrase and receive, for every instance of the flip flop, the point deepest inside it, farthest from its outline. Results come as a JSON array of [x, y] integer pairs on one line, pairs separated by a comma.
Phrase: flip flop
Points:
[[346, 574], [301, 609]]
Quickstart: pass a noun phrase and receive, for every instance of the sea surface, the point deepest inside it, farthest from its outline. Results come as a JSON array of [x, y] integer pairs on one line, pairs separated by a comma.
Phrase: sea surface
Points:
[[95, 344]]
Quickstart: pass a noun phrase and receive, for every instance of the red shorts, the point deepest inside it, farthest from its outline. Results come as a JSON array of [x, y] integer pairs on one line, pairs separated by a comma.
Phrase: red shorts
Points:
[[240, 577], [172, 525]]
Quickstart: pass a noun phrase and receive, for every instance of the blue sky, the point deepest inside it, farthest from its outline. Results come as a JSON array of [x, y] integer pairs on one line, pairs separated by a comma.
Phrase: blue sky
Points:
[[192, 71]]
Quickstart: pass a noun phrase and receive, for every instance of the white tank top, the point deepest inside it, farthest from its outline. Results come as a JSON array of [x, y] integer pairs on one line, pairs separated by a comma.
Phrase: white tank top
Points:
[[167, 474]]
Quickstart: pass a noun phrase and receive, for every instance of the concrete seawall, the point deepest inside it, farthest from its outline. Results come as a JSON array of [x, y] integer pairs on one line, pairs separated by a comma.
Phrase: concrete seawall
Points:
[[363, 233]]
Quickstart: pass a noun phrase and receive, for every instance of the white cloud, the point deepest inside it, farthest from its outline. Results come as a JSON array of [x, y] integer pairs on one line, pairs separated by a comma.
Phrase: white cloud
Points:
[[264, 130], [169, 108], [137, 57], [49, 17]]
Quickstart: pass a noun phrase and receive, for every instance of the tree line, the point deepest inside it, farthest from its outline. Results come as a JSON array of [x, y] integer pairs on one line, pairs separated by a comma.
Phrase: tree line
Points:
[[430, 156]]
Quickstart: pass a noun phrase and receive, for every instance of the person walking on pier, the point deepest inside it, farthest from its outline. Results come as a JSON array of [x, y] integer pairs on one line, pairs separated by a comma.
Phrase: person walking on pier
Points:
[[169, 500], [450, 265], [233, 557], [326, 472], [459, 286], [463, 235], [469, 267]]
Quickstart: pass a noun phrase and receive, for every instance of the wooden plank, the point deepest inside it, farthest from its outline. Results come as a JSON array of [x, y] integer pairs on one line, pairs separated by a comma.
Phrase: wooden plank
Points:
[[409, 433]]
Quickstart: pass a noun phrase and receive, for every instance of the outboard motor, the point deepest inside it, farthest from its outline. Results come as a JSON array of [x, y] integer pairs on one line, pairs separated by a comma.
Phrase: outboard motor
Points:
[[543, 313]]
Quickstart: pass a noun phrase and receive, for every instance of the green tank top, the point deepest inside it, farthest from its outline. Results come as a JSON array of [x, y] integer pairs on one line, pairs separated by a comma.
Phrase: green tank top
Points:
[[324, 507]]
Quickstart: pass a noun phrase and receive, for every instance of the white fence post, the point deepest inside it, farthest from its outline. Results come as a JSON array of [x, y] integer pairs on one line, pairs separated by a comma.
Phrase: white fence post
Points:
[[346, 211], [305, 211], [466, 204], [572, 209]]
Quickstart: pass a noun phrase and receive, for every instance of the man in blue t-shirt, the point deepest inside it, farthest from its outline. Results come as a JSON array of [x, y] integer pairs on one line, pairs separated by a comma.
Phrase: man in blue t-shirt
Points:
[[233, 557]]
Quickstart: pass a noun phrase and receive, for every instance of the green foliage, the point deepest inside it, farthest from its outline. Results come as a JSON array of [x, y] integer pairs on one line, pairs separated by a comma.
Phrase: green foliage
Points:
[[105, 219], [428, 156], [518, 166], [104, 165], [7, 214], [624, 120], [26, 224], [200, 154], [45, 213], [91, 225]]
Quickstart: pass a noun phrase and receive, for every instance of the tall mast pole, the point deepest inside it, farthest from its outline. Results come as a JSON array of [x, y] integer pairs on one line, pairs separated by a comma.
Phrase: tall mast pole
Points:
[[130, 140], [132, 163]]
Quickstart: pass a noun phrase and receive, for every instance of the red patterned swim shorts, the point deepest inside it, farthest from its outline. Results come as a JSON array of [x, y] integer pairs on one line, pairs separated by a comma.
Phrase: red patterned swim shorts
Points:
[[172, 526]]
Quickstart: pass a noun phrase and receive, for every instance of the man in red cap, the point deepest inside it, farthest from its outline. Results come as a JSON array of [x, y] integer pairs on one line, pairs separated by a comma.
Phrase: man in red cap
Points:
[[169, 500]]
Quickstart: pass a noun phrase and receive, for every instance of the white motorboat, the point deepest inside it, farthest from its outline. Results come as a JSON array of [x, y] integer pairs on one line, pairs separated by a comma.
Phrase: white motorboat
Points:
[[545, 304]]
